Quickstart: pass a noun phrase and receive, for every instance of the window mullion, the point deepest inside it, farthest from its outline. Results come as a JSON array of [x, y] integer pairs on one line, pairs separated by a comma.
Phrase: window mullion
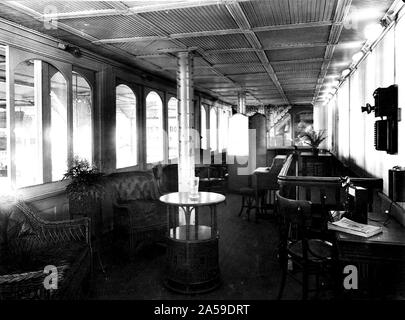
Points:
[[10, 116], [42, 107]]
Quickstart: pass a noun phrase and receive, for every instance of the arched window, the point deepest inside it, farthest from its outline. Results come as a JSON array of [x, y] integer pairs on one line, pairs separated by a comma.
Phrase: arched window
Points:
[[154, 128], [223, 129], [82, 118], [125, 127], [173, 128], [58, 129], [213, 129], [40, 124], [204, 142]]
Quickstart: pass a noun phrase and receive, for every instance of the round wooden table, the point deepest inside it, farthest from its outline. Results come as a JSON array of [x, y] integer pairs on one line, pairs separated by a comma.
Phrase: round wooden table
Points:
[[192, 249]]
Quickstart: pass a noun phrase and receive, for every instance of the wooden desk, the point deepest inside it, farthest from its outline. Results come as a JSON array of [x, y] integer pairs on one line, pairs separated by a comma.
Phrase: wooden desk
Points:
[[387, 246], [379, 259]]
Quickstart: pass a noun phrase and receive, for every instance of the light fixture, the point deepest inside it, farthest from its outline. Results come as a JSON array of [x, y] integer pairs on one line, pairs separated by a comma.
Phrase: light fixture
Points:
[[69, 48], [373, 31], [335, 84], [357, 56], [345, 73]]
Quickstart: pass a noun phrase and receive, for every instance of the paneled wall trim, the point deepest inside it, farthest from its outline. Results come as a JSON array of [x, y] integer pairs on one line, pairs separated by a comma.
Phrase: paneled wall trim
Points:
[[351, 132]]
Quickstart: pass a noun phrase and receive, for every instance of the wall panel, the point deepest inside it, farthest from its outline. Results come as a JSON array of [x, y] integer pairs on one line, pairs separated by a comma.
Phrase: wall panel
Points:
[[383, 67]]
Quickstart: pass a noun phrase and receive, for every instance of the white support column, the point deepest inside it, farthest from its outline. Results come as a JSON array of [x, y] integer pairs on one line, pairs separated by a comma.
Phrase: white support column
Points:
[[185, 96], [242, 102]]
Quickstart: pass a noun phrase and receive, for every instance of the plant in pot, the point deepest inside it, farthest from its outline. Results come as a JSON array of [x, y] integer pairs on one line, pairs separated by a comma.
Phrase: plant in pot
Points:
[[85, 191], [314, 139]]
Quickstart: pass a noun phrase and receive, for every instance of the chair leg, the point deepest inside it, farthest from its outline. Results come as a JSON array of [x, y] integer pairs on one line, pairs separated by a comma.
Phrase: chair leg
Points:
[[249, 207], [243, 206], [305, 281], [317, 285], [284, 270]]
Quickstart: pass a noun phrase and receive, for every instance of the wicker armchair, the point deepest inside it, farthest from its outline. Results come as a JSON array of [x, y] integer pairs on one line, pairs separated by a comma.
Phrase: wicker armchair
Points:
[[63, 244]]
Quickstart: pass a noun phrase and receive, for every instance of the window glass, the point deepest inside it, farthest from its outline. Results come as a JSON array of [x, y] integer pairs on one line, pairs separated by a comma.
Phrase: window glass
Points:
[[58, 128], [126, 137], [213, 129], [223, 129], [204, 142], [173, 127], [4, 155], [28, 123], [82, 118], [154, 128], [238, 135]]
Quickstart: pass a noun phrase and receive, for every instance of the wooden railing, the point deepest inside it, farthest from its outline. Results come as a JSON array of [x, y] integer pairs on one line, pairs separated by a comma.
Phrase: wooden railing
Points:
[[316, 188]]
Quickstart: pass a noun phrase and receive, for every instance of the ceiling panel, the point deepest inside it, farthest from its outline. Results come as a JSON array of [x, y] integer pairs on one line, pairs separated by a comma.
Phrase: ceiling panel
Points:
[[147, 47], [186, 20], [292, 68], [293, 53], [217, 42], [233, 57], [250, 77], [110, 27], [247, 68], [65, 6], [293, 36], [263, 13]]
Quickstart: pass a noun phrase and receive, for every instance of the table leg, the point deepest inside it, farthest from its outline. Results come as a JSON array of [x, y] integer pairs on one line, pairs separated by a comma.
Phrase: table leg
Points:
[[187, 212], [212, 221], [196, 223], [168, 220]]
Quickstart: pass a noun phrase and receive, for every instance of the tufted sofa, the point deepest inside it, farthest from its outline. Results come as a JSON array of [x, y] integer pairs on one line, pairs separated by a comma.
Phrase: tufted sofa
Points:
[[139, 216]]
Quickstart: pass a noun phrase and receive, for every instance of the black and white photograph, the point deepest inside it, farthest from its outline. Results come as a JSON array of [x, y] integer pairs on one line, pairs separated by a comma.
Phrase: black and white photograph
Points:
[[202, 155]]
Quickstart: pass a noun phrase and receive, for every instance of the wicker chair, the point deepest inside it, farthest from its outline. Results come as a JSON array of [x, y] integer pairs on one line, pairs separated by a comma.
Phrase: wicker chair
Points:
[[63, 244]]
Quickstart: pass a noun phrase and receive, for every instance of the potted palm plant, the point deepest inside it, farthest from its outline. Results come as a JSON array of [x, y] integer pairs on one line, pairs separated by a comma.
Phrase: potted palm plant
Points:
[[314, 139], [85, 191]]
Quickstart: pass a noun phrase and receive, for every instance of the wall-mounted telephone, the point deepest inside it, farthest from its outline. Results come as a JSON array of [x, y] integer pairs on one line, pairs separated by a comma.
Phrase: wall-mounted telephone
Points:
[[386, 129], [386, 136]]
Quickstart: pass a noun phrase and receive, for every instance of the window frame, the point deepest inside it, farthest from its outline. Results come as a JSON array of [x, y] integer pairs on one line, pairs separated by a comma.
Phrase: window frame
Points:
[[89, 76], [161, 94], [65, 70], [175, 159], [134, 90]]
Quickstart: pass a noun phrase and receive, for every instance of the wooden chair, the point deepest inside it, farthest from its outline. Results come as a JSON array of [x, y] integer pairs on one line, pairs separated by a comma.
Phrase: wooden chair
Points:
[[251, 198], [302, 244]]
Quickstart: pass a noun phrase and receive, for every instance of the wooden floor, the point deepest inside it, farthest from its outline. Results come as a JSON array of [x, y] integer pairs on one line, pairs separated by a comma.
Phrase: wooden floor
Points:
[[248, 263]]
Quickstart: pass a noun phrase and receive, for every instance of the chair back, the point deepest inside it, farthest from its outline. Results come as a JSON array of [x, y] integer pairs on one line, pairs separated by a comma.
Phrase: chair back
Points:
[[296, 212], [269, 180], [166, 178], [303, 216]]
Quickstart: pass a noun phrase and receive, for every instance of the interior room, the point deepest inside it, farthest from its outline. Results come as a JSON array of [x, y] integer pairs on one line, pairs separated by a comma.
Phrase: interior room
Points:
[[202, 150]]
